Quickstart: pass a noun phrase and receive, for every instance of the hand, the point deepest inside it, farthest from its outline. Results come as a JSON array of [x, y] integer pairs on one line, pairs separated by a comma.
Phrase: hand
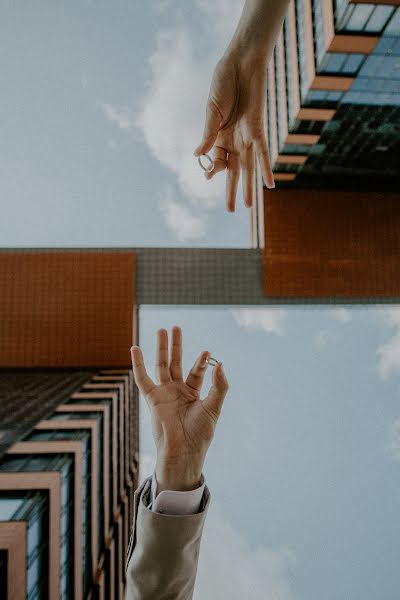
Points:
[[235, 122], [183, 424]]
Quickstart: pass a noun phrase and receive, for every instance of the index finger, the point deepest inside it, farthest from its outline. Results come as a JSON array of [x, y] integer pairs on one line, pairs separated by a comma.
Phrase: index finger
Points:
[[143, 381]]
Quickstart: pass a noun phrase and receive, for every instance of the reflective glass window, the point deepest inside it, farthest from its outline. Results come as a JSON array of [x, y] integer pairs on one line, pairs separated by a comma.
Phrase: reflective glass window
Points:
[[360, 15], [393, 27], [352, 63], [33, 574], [8, 507], [379, 19], [34, 534], [334, 62], [334, 96]]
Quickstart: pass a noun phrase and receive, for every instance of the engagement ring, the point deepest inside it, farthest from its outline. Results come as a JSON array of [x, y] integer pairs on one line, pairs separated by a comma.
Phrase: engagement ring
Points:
[[210, 166], [211, 361]]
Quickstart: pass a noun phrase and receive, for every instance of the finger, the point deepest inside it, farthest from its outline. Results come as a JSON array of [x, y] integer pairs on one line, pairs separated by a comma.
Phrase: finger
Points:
[[220, 161], [162, 369], [211, 128], [232, 180], [175, 365], [218, 166], [264, 161], [247, 165], [216, 396], [196, 375], [143, 381]]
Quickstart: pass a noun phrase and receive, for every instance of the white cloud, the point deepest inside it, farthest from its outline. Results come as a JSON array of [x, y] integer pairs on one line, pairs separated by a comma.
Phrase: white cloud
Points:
[[162, 6], [121, 115], [181, 221], [393, 440], [229, 568], [389, 353], [389, 316], [171, 115], [147, 464], [341, 314], [322, 338], [84, 81], [270, 320]]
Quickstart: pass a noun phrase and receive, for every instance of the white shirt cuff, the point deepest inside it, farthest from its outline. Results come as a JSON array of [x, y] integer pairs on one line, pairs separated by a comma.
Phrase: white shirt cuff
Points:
[[174, 502]]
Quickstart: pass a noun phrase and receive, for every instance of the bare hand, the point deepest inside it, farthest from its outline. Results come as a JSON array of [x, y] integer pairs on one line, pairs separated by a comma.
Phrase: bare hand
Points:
[[235, 123], [183, 424]]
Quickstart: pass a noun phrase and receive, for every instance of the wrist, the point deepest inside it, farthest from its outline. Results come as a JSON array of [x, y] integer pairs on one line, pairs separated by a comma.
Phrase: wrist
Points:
[[258, 27], [178, 476], [245, 46]]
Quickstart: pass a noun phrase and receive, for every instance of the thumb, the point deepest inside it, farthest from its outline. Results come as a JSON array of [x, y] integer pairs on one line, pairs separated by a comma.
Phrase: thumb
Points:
[[215, 398], [213, 123]]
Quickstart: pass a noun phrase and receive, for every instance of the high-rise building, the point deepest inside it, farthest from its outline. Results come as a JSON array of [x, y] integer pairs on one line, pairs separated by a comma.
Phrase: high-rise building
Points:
[[69, 424], [330, 229], [333, 100]]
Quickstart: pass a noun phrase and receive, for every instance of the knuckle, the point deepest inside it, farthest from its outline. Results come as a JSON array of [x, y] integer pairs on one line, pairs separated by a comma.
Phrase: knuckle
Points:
[[195, 375]]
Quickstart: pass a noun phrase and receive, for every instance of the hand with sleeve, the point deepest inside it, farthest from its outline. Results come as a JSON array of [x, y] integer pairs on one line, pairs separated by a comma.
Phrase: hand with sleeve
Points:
[[183, 425], [235, 116]]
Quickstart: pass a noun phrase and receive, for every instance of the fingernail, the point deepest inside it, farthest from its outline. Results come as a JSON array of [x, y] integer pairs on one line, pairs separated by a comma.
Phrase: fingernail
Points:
[[196, 153]]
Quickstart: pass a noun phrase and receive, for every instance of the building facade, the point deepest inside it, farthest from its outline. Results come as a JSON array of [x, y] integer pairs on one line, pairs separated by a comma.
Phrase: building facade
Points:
[[333, 101], [69, 443]]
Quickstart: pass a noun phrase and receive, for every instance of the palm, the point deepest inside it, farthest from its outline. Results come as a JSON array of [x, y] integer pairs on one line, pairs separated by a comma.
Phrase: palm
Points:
[[182, 423], [178, 415]]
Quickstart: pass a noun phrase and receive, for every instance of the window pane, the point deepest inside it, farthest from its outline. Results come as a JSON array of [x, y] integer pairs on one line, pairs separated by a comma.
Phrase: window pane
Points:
[[393, 27], [334, 62], [353, 63], [359, 17], [379, 18]]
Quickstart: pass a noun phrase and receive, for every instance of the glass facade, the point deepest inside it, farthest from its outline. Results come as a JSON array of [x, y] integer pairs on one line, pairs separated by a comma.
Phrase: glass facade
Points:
[[375, 86], [280, 102], [339, 8], [318, 29], [84, 438], [289, 80], [341, 63], [94, 416], [31, 507], [64, 465], [378, 81], [363, 18], [323, 98], [301, 49], [107, 402], [106, 420]]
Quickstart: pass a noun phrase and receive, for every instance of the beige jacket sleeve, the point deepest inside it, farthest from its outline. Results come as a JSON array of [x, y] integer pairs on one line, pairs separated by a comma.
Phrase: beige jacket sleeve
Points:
[[163, 550]]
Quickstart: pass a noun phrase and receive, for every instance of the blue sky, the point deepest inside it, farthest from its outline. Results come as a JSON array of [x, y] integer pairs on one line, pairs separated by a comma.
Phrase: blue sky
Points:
[[304, 466], [103, 104]]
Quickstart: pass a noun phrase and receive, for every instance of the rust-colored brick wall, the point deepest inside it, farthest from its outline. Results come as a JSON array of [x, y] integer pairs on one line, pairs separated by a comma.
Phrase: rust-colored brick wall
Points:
[[66, 309], [326, 243]]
